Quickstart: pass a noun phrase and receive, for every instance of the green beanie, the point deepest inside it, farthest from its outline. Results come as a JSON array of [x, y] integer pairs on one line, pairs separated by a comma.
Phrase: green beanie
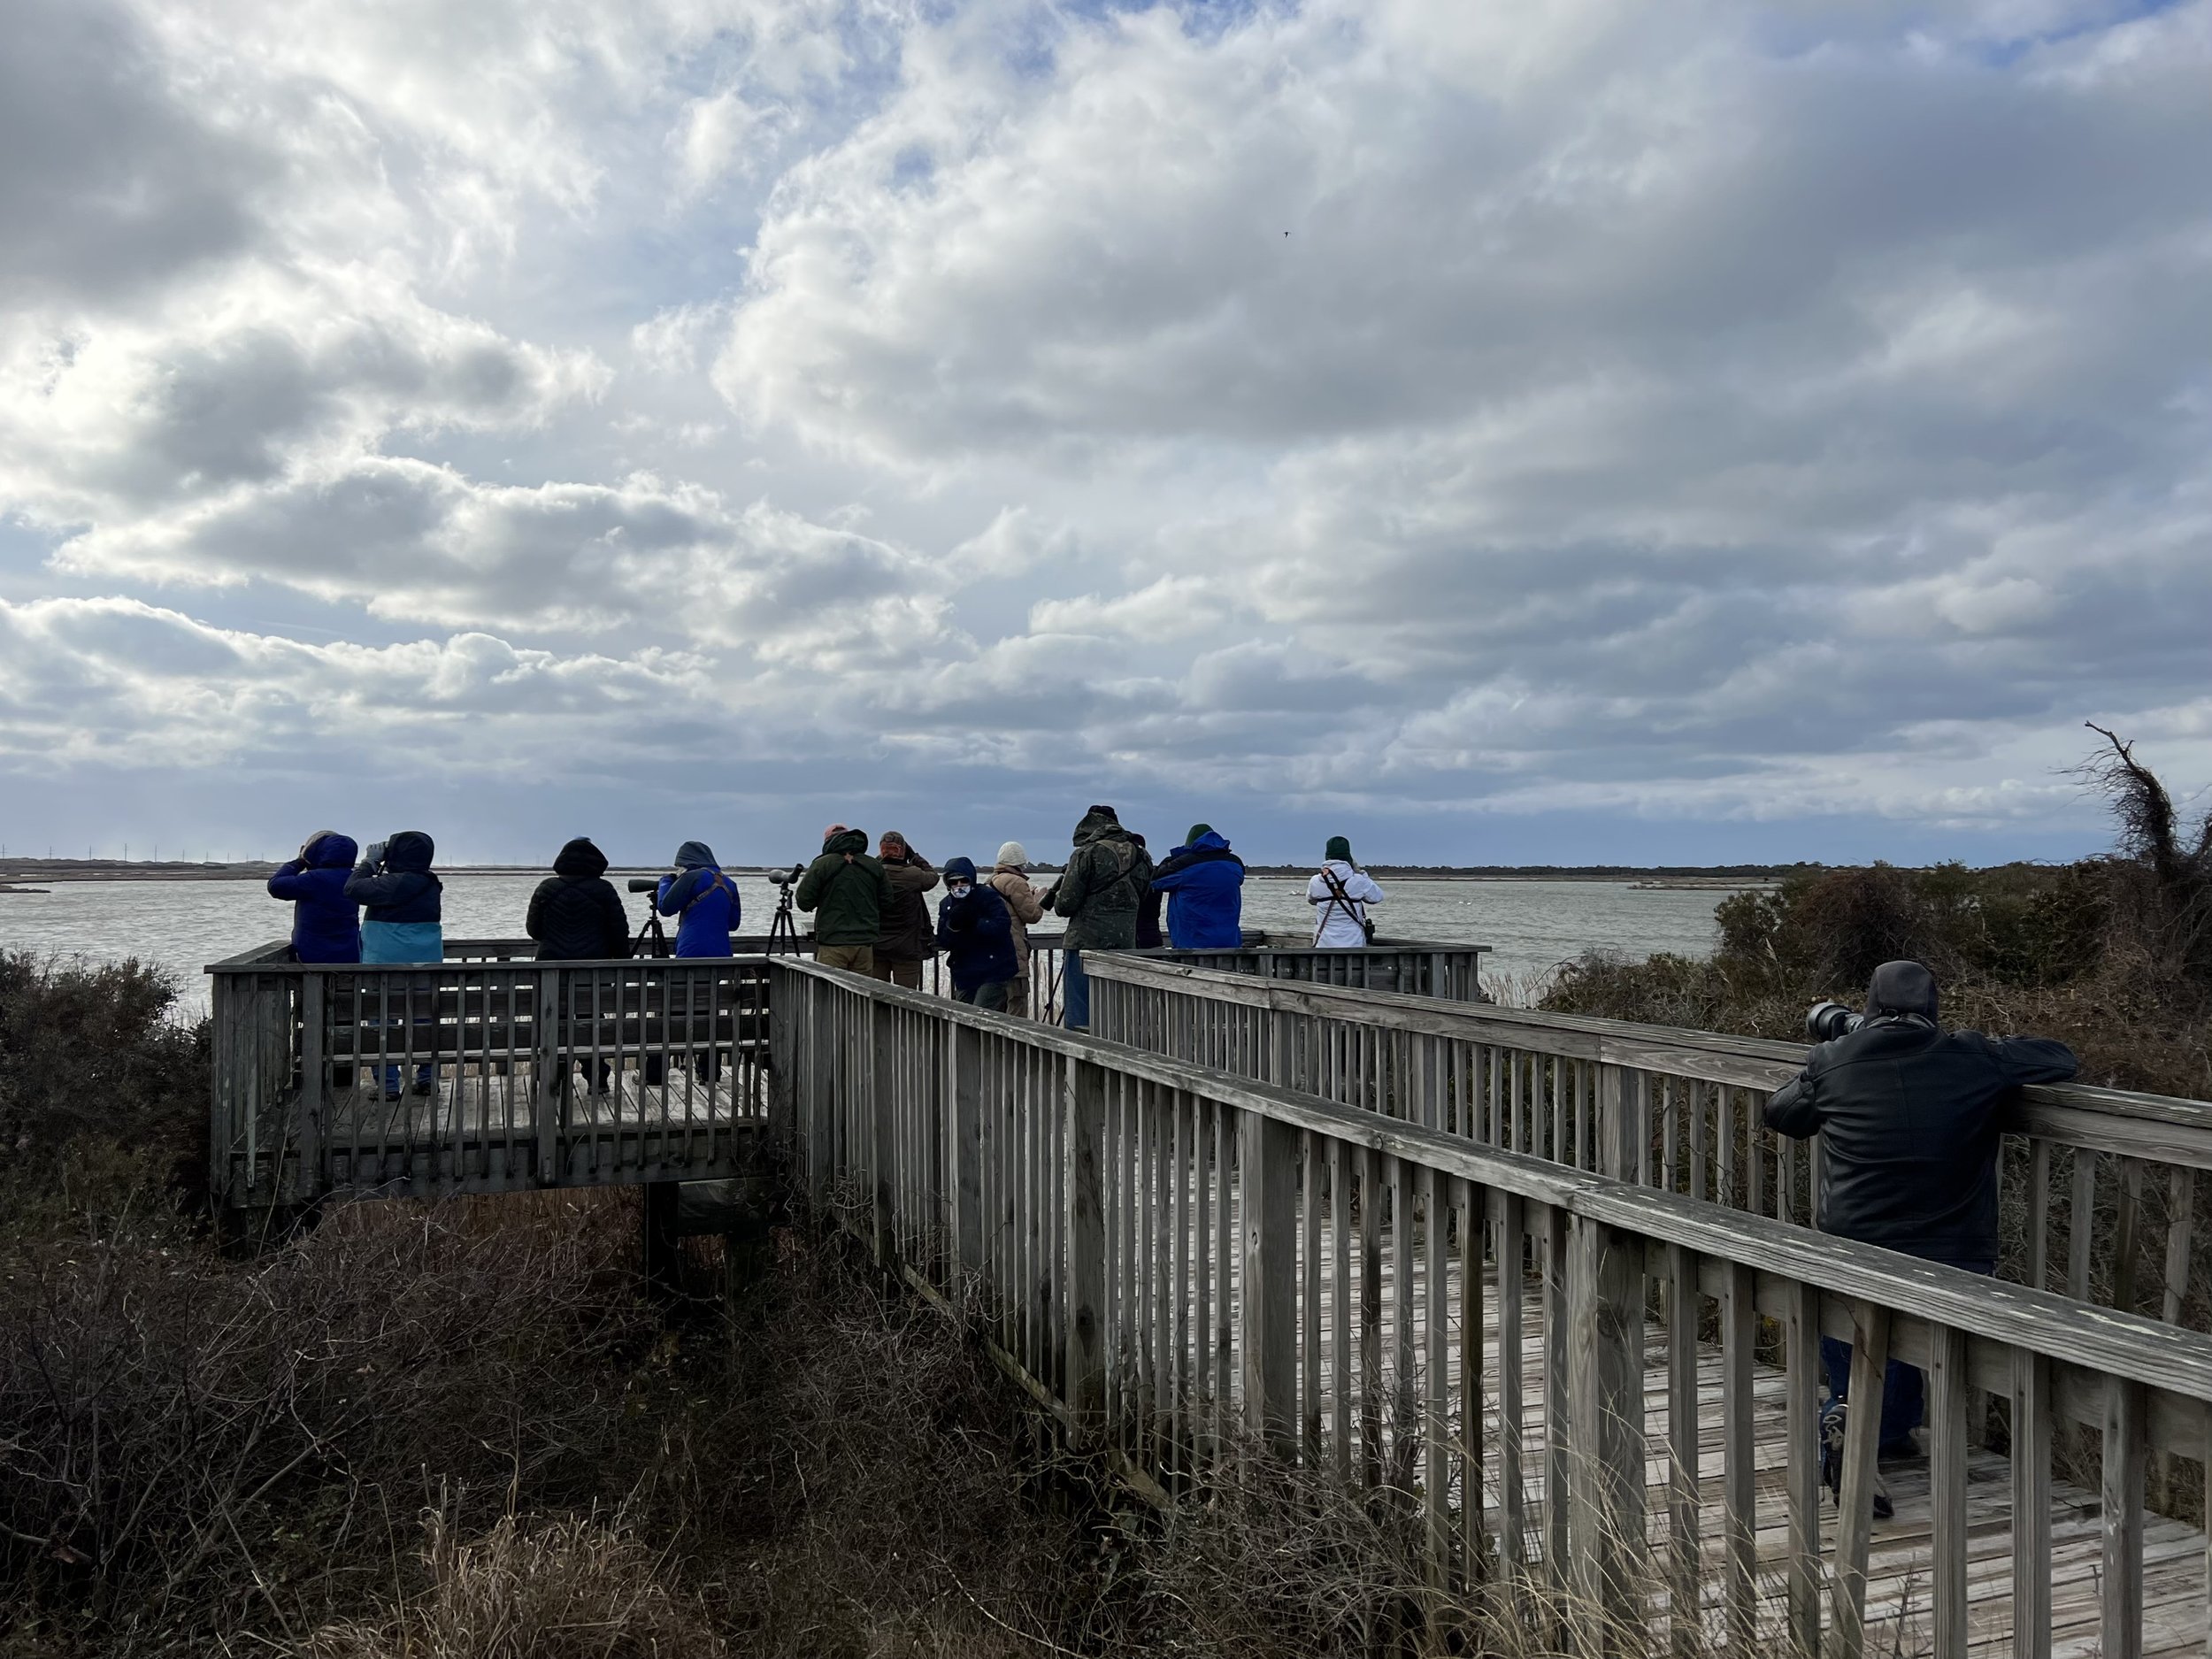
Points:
[[1340, 847], [1196, 831]]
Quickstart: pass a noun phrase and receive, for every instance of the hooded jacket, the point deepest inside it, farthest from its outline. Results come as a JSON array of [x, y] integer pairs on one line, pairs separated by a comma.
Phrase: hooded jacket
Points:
[[1909, 1116], [1204, 882], [976, 930], [576, 915], [704, 898], [1021, 905], [1334, 927], [1098, 894], [403, 899], [325, 923], [907, 936], [846, 890]]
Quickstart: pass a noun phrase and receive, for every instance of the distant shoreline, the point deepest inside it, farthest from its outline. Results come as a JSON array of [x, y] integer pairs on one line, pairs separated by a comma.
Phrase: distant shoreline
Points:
[[16, 873]]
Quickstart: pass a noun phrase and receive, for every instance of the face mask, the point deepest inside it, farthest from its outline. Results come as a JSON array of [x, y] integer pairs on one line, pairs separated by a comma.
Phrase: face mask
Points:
[[957, 887]]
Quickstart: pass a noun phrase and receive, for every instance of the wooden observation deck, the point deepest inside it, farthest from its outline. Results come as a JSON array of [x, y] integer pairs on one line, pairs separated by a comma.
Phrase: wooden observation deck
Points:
[[1542, 1284]]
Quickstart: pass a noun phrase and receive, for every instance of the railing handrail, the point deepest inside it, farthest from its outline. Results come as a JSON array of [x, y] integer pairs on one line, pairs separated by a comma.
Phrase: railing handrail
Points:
[[2126, 1345], [2054, 1109], [273, 958]]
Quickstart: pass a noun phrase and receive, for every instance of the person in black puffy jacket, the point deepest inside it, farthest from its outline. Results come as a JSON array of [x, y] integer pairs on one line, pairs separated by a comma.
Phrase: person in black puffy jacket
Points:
[[1909, 1116], [577, 915]]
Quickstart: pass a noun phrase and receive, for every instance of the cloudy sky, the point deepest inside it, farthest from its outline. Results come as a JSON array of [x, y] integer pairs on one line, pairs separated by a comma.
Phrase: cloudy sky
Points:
[[1548, 432]]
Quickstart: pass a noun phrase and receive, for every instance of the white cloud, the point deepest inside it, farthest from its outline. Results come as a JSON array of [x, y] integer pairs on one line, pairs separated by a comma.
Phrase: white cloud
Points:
[[1699, 410]]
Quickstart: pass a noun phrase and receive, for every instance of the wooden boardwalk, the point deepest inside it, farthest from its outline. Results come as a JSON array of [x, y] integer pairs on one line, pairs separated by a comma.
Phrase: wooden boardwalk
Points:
[[2176, 1621]]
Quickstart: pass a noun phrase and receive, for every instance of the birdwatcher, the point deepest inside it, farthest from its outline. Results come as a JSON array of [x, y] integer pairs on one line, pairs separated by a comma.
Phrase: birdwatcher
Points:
[[404, 921], [1909, 1116], [1341, 894], [575, 915], [1204, 884], [696, 890], [977, 932], [1010, 875], [909, 938], [848, 894], [1099, 892], [325, 923]]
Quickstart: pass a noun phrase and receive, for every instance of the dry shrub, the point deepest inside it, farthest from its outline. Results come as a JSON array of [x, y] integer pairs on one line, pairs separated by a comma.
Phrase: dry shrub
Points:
[[567, 1587], [189, 1446], [101, 1086]]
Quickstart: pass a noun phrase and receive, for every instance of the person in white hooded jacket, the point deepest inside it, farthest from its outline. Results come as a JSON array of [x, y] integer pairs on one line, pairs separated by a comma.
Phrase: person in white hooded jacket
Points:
[[1340, 895]]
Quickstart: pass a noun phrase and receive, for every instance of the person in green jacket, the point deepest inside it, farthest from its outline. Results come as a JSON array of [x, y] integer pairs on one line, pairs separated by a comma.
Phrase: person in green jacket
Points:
[[852, 895], [1108, 874]]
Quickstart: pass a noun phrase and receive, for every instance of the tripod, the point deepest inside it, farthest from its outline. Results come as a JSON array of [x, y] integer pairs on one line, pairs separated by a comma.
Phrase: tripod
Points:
[[652, 939], [783, 929]]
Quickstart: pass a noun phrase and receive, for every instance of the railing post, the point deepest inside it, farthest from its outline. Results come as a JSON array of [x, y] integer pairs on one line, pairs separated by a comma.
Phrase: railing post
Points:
[[963, 1146], [1855, 1503], [311, 1103], [1086, 1249], [549, 1069], [783, 1052], [1605, 1381], [1624, 1096], [1268, 1153], [883, 1119]]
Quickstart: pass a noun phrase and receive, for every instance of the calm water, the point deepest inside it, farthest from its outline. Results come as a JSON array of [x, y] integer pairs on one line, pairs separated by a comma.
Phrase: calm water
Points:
[[1531, 926]]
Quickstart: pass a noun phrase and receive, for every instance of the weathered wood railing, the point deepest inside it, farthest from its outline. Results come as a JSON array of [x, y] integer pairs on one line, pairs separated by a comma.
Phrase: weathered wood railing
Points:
[[1183, 1264], [480, 1073], [1410, 967], [2126, 1233]]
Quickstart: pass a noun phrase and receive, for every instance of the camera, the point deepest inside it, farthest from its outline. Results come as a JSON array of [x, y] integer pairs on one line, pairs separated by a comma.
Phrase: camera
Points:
[[644, 884], [1825, 1022], [785, 878]]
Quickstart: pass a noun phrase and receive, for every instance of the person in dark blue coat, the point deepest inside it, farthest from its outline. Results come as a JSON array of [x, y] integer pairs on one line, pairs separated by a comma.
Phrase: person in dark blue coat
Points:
[[325, 923], [1204, 882], [706, 899], [975, 930]]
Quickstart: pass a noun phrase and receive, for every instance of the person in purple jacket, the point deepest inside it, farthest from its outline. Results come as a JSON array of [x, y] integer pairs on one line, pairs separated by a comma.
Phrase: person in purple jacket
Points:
[[325, 923]]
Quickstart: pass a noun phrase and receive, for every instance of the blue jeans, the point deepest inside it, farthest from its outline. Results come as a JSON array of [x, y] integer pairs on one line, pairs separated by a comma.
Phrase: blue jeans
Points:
[[1075, 993], [1904, 1390]]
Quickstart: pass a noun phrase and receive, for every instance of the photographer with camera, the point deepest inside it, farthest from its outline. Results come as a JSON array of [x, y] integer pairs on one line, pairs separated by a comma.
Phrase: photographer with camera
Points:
[[1909, 1116], [850, 895], [697, 891]]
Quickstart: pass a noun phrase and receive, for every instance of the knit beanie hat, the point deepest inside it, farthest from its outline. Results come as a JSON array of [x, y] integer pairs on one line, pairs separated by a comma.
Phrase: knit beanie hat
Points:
[[1340, 847], [1196, 831], [1013, 854]]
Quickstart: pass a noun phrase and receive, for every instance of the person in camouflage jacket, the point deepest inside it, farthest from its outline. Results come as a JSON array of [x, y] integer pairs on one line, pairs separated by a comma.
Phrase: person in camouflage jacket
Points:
[[1108, 874]]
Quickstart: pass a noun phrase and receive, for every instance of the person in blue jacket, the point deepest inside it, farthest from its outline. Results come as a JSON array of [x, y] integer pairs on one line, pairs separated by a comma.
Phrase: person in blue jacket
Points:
[[697, 891], [706, 899], [404, 922], [1204, 882], [975, 930], [325, 923]]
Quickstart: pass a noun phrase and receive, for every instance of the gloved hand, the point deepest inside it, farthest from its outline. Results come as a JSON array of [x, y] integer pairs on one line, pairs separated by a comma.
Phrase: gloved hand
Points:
[[372, 855]]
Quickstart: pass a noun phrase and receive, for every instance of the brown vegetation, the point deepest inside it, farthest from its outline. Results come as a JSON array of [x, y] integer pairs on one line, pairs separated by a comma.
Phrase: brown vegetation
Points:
[[2112, 954]]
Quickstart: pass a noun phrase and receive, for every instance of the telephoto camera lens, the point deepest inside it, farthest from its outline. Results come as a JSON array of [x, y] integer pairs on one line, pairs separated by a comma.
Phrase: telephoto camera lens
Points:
[[1825, 1022]]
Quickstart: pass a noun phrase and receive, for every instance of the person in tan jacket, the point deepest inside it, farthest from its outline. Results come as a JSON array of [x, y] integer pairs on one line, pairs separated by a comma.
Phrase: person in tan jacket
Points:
[[1022, 900]]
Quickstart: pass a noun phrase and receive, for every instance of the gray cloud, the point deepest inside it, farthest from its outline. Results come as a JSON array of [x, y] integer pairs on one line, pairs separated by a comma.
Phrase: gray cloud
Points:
[[1705, 412]]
